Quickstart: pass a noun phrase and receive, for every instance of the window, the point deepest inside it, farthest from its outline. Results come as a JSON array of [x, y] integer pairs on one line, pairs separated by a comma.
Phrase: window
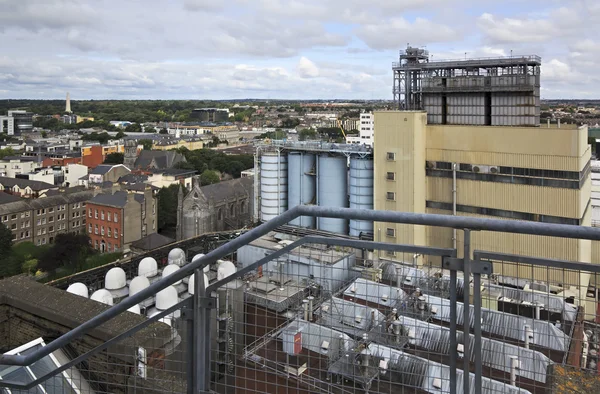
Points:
[[108, 216], [44, 221], [391, 176], [22, 235], [391, 156], [13, 217], [39, 242], [116, 233], [44, 230], [51, 229], [44, 241], [5, 218], [390, 196], [39, 231], [243, 207], [26, 234], [101, 230], [116, 218], [153, 207], [232, 210], [96, 244], [13, 226], [22, 215], [22, 224], [102, 215], [39, 211], [27, 214], [51, 209], [90, 228], [50, 219], [390, 232], [220, 214], [108, 230], [39, 222], [153, 225], [108, 247], [28, 224], [90, 212], [96, 213], [95, 229]]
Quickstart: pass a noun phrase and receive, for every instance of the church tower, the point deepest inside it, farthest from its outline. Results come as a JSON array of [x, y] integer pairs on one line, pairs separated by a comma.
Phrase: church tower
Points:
[[130, 154]]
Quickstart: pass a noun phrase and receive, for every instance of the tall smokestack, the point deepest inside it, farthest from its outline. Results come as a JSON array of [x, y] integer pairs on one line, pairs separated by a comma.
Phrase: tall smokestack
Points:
[[68, 106]]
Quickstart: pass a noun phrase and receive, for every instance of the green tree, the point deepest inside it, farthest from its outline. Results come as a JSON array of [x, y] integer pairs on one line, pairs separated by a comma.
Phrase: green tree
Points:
[[209, 177], [44, 134], [307, 134], [164, 131], [133, 128], [147, 144], [9, 266], [119, 135], [167, 208], [150, 130], [6, 152], [69, 250], [114, 158]]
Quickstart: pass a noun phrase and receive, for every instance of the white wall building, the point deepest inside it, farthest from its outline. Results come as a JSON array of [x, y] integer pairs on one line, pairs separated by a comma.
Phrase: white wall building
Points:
[[72, 173], [366, 131], [10, 167]]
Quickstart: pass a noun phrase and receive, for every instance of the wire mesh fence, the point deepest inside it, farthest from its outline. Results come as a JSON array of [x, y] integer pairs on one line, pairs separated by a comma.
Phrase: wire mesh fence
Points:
[[332, 315]]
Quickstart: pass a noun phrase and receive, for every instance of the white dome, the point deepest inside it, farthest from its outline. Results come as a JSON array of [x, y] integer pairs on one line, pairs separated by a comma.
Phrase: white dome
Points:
[[169, 270], [78, 288], [192, 283], [148, 267], [176, 256], [226, 268], [102, 296], [115, 279], [138, 284], [166, 298], [135, 309], [199, 256]]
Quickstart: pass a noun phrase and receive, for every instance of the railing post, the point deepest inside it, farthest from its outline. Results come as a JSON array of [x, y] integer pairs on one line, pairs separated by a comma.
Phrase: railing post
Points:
[[466, 309], [201, 333], [477, 324], [453, 342]]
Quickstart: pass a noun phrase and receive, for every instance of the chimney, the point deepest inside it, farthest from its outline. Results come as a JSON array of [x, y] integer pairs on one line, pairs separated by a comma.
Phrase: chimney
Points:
[[514, 366], [311, 300], [68, 104], [305, 307]]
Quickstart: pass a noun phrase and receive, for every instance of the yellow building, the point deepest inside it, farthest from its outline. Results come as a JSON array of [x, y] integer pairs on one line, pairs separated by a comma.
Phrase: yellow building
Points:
[[515, 173], [174, 144], [81, 119]]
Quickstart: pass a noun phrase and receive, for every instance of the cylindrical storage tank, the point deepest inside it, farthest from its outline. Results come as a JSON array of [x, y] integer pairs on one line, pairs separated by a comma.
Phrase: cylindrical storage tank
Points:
[[273, 185], [301, 185], [332, 190], [361, 193]]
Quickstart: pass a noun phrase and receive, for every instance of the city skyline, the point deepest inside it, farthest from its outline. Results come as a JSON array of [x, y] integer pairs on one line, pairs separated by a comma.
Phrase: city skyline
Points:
[[277, 49]]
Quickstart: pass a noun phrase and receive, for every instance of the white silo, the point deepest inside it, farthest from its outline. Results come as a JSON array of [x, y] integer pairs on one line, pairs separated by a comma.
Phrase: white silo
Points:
[[102, 296], [302, 185], [361, 193], [273, 185], [79, 289]]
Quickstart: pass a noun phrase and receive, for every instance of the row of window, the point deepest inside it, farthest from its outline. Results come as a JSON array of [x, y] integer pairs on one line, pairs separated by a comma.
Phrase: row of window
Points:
[[109, 230], [115, 217], [503, 213], [14, 216], [517, 171]]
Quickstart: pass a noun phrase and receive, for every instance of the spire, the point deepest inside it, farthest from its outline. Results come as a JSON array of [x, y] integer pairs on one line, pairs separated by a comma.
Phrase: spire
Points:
[[68, 106]]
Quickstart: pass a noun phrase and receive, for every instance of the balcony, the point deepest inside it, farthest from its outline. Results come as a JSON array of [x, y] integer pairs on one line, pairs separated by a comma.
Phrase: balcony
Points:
[[323, 314]]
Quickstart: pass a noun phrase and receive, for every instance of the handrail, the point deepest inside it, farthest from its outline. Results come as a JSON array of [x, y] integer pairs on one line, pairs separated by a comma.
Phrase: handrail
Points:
[[458, 222]]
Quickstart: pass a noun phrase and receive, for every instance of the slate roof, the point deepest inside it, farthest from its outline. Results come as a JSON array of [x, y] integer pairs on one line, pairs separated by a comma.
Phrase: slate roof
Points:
[[163, 159], [226, 189], [6, 198], [133, 178], [23, 183], [102, 169], [118, 199], [44, 202], [151, 241]]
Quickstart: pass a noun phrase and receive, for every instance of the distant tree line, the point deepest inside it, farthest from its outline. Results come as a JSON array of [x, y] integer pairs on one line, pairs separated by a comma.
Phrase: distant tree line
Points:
[[213, 160]]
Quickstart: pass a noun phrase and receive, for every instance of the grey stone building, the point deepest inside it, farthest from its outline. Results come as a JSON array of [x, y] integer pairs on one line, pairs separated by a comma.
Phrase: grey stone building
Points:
[[223, 206]]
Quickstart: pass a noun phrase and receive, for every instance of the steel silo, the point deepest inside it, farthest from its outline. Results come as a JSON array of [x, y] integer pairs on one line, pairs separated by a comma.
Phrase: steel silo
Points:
[[301, 185], [332, 190], [273, 185], [361, 192]]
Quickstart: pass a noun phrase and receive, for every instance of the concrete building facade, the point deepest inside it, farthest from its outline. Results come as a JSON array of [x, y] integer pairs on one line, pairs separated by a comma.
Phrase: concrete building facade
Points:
[[366, 130], [515, 173]]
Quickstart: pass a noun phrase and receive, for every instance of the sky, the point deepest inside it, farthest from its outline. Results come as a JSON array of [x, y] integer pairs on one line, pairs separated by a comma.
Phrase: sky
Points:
[[278, 49]]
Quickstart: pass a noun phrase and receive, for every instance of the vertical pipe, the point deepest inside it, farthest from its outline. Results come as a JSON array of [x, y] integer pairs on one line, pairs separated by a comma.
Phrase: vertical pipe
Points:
[[311, 300], [305, 307], [528, 336], [453, 355], [190, 371], [454, 202], [559, 123], [477, 330], [202, 332], [467, 308], [514, 365], [278, 182]]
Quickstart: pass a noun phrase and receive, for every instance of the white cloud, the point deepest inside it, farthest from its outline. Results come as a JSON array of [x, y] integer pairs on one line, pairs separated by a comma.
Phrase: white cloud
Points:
[[508, 30], [307, 69]]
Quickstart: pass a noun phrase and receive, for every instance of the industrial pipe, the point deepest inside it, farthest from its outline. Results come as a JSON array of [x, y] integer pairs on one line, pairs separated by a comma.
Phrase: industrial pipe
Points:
[[454, 202], [311, 300]]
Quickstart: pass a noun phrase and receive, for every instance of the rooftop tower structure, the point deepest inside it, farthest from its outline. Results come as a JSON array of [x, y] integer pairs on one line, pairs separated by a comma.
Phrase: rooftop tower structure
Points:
[[68, 105], [501, 91]]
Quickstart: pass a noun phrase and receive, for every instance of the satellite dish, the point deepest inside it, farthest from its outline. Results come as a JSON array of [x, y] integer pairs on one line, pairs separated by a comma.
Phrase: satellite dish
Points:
[[148, 267], [115, 279], [170, 270], [102, 296], [226, 268], [192, 282], [138, 284], [79, 289]]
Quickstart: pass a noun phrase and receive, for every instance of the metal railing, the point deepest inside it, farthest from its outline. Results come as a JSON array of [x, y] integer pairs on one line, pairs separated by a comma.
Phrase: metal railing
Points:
[[196, 310]]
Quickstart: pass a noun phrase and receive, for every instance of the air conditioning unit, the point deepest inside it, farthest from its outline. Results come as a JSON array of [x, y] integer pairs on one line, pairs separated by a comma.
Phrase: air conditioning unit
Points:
[[494, 170], [430, 164], [480, 169]]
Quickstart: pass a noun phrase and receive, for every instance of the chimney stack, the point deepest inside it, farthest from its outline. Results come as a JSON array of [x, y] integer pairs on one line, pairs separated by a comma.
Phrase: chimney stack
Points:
[[68, 106]]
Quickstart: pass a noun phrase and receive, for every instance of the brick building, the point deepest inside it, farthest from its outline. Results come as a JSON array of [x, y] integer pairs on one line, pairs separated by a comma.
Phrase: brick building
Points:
[[115, 220]]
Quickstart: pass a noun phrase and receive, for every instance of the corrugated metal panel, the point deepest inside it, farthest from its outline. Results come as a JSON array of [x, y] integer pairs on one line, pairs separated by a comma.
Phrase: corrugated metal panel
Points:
[[313, 336], [495, 354], [533, 199], [349, 317], [545, 334], [361, 193], [547, 162], [548, 301], [415, 371], [273, 185], [376, 293]]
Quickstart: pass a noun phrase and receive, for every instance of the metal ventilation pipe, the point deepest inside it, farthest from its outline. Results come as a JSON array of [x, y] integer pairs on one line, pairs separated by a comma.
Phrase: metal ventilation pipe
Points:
[[514, 366], [281, 263], [373, 314], [398, 276], [559, 123], [311, 300], [305, 307], [528, 336], [397, 329], [454, 202], [538, 309]]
